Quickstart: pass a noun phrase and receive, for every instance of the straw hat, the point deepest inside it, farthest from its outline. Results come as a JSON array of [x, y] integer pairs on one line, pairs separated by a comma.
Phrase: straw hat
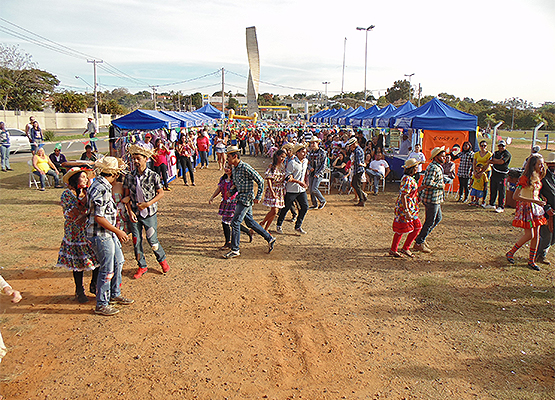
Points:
[[232, 149], [351, 141], [437, 150], [77, 170], [411, 162], [287, 146], [314, 139], [109, 165], [135, 149], [550, 158], [298, 147]]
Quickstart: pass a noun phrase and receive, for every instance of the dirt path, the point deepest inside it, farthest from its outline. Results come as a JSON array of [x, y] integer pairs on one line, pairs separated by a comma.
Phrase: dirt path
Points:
[[324, 316]]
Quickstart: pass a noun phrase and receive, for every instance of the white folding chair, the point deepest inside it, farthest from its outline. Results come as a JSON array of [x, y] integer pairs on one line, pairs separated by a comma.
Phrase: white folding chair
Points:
[[326, 181]]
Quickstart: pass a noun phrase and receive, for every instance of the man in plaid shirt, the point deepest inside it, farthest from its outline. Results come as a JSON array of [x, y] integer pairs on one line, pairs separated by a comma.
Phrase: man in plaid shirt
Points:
[[105, 237], [358, 169], [431, 195], [244, 176], [317, 163]]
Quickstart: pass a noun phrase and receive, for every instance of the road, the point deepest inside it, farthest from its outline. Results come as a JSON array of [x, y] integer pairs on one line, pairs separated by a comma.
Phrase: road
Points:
[[73, 153]]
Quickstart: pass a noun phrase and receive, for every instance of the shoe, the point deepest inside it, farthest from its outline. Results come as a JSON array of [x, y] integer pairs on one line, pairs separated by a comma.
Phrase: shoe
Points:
[[58, 187], [193, 184], [168, 189], [510, 258], [92, 288], [122, 301], [375, 193], [421, 247], [232, 254], [300, 231], [106, 310], [395, 254], [279, 230], [42, 189], [408, 253], [9, 169], [185, 184], [271, 244], [140, 272], [489, 207], [322, 205], [165, 266], [499, 210], [359, 204], [543, 260], [251, 232], [313, 207], [533, 266], [3, 170], [81, 296]]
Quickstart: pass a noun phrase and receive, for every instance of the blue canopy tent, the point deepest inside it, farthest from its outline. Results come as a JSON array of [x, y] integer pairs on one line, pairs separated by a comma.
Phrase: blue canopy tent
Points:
[[386, 120], [368, 122], [204, 118], [344, 120], [146, 120], [185, 122], [323, 114], [317, 115], [327, 118], [357, 120], [335, 119], [211, 111]]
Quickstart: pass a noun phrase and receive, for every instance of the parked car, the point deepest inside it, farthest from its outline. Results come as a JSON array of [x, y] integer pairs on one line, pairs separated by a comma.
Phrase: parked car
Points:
[[19, 141]]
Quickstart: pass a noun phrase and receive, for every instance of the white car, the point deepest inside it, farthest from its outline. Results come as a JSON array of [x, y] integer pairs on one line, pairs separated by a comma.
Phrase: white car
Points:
[[19, 141]]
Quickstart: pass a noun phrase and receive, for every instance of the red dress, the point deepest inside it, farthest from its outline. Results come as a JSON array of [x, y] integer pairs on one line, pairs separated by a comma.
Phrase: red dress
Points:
[[529, 215]]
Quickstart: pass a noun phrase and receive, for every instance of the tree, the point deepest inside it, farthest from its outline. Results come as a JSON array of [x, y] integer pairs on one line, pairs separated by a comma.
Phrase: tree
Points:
[[111, 107], [399, 90], [13, 64], [196, 100], [514, 103], [69, 102], [233, 103]]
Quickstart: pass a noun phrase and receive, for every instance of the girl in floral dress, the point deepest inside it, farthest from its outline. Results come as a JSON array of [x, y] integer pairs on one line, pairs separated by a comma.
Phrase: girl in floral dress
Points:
[[529, 213], [406, 212], [274, 194], [76, 253], [227, 206]]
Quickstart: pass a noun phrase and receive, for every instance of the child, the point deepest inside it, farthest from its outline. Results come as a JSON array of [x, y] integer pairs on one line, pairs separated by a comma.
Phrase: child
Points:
[[529, 213], [406, 211], [227, 206], [6, 289], [479, 182], [418, 156]]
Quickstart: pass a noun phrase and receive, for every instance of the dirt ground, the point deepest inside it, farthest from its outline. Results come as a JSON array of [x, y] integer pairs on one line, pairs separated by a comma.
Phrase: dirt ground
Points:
[[324, 316]]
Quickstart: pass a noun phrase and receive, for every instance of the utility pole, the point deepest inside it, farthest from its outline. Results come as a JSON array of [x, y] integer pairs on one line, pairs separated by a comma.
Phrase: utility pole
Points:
[[365, 56], [94, 62], [154, 97], [223, 93], [419, 94], [326, 83], [343, 74], [410, 86]]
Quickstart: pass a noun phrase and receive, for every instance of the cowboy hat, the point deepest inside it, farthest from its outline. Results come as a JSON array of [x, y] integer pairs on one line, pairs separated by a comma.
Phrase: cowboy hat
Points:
[[232, 149], [287, 146], [314, 139], [411, 162], [109, 165], [351, 141], [77, 170], [298, 147], [437, 150], [136, 149]]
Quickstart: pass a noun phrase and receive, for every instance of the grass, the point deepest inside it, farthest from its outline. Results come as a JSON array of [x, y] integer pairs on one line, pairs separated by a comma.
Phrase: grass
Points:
[[75, 137]]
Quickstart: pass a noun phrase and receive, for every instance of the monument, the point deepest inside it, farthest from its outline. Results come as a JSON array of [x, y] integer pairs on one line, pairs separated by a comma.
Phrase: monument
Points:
[[254, 71]]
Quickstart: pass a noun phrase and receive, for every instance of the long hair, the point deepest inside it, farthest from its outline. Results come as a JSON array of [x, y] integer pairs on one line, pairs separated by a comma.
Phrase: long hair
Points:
[[275, 159], [530, 167], [73, 183]]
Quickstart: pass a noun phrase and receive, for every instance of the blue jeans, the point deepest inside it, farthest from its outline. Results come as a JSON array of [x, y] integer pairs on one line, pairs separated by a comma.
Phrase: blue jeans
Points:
[[150, 224], [315, 194], [301, 198], [433, 217], [377, 177], [5, 153], [43, 177], [244, 213], [110, 257], [203, 158], [93, 142]]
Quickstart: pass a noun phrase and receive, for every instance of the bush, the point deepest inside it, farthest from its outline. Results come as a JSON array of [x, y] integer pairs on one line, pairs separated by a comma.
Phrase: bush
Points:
[[49, 135]]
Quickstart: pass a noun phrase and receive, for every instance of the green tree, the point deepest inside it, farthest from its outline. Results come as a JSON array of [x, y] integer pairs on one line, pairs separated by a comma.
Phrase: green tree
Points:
[[111, 107], [233, 103], [400, 90], [196, 100], [69, 101]]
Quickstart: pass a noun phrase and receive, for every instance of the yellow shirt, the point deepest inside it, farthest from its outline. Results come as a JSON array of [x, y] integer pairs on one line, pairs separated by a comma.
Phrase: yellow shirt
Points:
[[479, 183], [42, 164], [483, 160]]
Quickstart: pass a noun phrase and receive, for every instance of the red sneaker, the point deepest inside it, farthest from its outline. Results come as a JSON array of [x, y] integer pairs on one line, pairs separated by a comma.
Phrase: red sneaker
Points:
[[165, 266], [140, 273]]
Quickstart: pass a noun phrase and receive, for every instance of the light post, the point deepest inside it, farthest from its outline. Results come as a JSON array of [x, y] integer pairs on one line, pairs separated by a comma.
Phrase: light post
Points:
[[410, 86], [326, 83], [365, 56]]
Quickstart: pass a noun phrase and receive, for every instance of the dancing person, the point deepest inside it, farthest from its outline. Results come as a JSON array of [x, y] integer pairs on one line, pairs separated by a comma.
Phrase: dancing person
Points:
[[479, 184], [5, 288], [145, 189], [160, 157], [5, 147], [227, 206], [358, 166], [465, 171], [406, 212], [274, 194], [220, 141], [317, 159], [244, 176], [42, 166], [547, 192], [500, 168], [185, 152], [91, 130], [76, 253], [529, 214], [295, 189], [431, 195], [105, 238]]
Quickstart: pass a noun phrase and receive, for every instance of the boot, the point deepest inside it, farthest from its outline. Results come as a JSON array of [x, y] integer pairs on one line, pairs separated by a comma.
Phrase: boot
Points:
[[81, 296]]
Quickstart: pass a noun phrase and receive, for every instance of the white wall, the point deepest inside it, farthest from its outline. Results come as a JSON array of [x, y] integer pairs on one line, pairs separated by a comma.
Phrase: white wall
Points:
[[50, 120]]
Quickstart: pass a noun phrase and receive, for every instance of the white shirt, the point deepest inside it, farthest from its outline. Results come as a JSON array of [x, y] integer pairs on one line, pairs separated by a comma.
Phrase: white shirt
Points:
[[297, 169], [419, 157], [379, 165]]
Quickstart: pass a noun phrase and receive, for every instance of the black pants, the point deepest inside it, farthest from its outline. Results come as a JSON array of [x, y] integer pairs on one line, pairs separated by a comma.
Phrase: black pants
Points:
[[463, 187], [78, 278], [289, 199], [357, 185], [243, 146], [497, 188], [162, 169], [185, 162]]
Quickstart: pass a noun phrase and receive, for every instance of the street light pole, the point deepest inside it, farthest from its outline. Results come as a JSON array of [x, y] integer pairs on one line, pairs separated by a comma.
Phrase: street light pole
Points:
[[365, 56], [410, 86], [94, 62], [343, 74], [326, 83]]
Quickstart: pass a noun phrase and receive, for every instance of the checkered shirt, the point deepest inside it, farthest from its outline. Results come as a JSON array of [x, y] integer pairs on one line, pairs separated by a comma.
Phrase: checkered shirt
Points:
[[100, 203], [317, 159], [150, 183], [358, 160], [433, 177], [244, 176], [465, 167]]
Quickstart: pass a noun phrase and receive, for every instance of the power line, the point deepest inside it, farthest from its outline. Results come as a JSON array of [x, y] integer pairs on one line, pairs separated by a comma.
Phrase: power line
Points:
[[192, 79]]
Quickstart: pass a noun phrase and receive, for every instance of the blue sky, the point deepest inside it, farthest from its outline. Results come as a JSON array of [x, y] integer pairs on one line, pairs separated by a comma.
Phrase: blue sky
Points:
[[478, 48]]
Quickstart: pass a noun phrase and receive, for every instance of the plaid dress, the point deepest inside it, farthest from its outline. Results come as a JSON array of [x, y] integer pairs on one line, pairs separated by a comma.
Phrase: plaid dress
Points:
[[229, 202]]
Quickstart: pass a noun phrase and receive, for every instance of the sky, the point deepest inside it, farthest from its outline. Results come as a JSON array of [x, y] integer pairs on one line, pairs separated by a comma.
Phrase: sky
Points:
[[482, 49]]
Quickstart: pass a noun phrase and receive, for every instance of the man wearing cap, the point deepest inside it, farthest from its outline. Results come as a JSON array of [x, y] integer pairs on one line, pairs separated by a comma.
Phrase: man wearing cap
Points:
[[244, 176], [105, 237], [317, 158], [91, 130], [499, 169], [58, 158], [358, 169], [547, 192], [144, 188], [431, 195]]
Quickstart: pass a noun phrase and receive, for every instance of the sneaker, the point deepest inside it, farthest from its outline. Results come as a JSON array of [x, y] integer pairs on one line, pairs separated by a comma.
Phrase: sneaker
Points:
[[421, 247], [279, 230], [122, 301], [499, 210], [301, 231], [313, 207], [489, 207], [533, 266], [106, 310], [140, 272], [271, 244], [322, 205], [165, 266], [232, 254]]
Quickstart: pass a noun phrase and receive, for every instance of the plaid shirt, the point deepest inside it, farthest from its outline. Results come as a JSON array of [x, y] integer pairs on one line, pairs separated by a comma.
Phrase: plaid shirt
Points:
[[358, 160], [100, 203], [150, 183], [244, 176], [317, 160], [465, 167], [433, 177]]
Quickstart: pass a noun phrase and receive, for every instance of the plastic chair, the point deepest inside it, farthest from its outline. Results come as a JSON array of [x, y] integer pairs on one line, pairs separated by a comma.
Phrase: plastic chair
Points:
[[326, 181], [448, 189], [371, 183]]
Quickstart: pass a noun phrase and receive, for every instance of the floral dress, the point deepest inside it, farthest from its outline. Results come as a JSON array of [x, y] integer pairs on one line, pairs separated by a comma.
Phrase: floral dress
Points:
[[278, 184], [122, 218], [228, 203], [76, 253], [529, 215], [406, 220]]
